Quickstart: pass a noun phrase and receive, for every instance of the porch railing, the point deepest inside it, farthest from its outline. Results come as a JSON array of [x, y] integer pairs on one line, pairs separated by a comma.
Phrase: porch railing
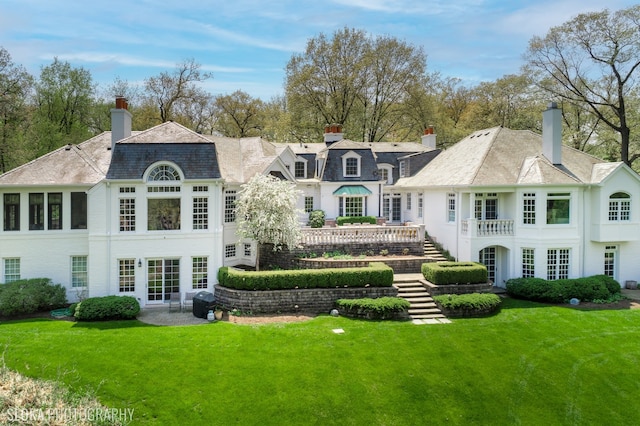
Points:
[[487, 228], [363, 234]]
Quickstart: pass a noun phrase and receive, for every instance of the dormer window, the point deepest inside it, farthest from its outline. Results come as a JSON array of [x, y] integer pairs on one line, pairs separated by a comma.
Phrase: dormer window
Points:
[[163, 172], [163, 198], [385, 173], [402, 169], [300, 169], [351, 165]]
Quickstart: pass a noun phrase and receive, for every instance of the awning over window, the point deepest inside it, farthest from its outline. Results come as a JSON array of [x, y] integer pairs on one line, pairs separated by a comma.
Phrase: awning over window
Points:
[[352, 190]]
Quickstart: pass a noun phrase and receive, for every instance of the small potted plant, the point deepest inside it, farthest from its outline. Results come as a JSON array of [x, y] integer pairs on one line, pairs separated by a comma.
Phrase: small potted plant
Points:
[[218, 312]]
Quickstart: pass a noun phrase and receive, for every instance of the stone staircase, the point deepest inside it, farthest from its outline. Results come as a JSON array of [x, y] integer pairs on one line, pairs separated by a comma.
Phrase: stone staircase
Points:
[[431, 252], [423, 309]]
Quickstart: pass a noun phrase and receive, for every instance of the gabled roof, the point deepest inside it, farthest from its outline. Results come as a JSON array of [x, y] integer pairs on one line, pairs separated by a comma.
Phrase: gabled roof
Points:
[[500, 156], [82, 164]]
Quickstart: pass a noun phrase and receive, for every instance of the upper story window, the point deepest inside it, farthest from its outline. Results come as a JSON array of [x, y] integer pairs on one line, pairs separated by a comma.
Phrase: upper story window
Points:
[[620, 207], [451, 207], [229, 206], [11, 212], [529, 208], [351, 165], [385, 173], [163, 172], [78, 210], [558, 208], [300, 169], [402, 169], [36, 211]]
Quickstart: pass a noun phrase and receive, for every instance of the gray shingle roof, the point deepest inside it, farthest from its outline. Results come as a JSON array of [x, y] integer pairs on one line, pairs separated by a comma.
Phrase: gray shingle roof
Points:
[[500, 156]]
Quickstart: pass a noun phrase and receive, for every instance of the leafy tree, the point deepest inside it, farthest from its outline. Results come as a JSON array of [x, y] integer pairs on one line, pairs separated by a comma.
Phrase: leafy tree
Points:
[[592, 60], [172, 93], [15, 86], [239, 115], [352, 79], [266, 212], [63, 103]]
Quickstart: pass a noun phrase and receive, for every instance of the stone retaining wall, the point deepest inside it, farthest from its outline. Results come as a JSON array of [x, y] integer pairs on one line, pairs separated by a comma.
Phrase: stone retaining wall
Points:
[[406, 265], [436, 290], [317, 300]]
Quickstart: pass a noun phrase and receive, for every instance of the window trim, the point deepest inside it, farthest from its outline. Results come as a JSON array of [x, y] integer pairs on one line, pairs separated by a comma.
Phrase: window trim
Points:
[[619, 207], [82, 274], [304, 168], [15, 273]]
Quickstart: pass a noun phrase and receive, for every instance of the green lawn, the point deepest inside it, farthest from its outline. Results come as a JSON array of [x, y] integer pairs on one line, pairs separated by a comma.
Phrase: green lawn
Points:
[[530, 364]]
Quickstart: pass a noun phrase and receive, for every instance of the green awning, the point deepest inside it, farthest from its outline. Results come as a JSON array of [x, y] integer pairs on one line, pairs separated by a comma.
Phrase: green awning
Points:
[[351, 190]]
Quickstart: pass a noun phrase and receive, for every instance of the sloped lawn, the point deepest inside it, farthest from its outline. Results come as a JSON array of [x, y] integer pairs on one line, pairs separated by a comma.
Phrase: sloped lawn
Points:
[[530, 364]]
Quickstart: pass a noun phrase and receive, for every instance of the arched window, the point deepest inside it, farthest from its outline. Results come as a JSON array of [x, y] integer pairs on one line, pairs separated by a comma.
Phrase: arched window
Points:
[[163, 172], [619, 207]]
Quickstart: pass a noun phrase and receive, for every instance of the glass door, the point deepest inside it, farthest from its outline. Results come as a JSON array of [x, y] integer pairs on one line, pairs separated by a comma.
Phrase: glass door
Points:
[[163, 278]]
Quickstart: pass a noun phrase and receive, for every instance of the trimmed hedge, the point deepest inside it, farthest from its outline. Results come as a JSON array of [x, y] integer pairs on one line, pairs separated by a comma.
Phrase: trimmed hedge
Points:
[[24, 297], [316, 218], [344, 220], [480, 302], [107, 308], [443, 273], [377, 274], [380, 308], [588, 289]]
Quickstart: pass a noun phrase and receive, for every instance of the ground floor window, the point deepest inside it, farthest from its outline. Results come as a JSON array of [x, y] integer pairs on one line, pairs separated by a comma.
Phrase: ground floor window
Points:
[[610, 253], [78, 271], [247, 250], [11, 270], [200, 272], [308, 204], [528, 263], [352, 206], [557, 264], [230, 251], [487, 257], [126, 275]]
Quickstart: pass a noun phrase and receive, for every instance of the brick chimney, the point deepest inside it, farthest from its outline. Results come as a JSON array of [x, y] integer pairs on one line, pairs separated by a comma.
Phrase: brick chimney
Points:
[[120, 121], [552, 133], [429, 138], [332, 133]]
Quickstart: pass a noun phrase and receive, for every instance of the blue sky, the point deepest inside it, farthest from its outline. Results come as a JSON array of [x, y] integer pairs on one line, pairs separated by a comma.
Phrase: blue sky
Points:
[[247, 43]]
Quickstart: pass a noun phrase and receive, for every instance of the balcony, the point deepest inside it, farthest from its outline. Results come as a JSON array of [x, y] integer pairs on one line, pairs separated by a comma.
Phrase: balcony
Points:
[[363, 234], [487, 228]]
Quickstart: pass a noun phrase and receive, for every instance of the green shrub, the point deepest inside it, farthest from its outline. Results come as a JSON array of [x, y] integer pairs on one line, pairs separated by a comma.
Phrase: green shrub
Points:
[[585, 289], [344, 220], [443, 273], [29, 296], [468, 304], [375, 275], [380, 308], [72, 309], [316, 218], [107, 308]]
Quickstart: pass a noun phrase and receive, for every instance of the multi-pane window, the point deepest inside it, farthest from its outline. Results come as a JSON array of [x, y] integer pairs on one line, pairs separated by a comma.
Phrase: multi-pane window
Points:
[[199, 273], [163, 214], [247, 250], [420, 204], [619, 207], [351, 167], [299, 169], [486, 206], [127, 214], [126, 275], [529, 208], [230, 251], [200, 213], [229, 206], [54, 210], [11, 212], [11, 270], [351, 206], [610, 260], [451, 207], [163, 172], [201, 188], [558, 208], [528, 263], [308, 204], [557, 264], [402, 169], [384, 175], [78, 210], [409, 201], [487, 257], [36, 211], [78, 271]]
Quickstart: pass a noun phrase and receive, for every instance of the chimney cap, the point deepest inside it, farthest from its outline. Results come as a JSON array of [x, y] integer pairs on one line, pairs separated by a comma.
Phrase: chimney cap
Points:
[[121, 103], [552, 105]]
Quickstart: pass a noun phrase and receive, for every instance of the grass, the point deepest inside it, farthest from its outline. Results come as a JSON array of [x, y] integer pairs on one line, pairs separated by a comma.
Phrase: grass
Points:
[[530, 364]]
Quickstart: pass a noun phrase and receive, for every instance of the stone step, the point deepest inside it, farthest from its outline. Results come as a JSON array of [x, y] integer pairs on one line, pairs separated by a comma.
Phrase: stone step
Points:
[[406, 284], [427, 316], [421, 299], [411, 289], [424, 311], [430, 305]]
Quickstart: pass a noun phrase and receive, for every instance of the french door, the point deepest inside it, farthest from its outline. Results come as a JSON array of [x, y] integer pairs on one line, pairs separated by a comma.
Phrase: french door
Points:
[[391, 207], [163, 278], [486, 207]]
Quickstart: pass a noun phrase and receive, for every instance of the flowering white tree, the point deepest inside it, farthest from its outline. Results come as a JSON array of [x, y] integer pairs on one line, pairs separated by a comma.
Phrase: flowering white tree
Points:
[[266, 212]]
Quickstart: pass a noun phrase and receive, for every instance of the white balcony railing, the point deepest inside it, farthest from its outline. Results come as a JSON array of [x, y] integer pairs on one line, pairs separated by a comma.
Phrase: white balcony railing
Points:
[[487, 228], [363, 234]]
